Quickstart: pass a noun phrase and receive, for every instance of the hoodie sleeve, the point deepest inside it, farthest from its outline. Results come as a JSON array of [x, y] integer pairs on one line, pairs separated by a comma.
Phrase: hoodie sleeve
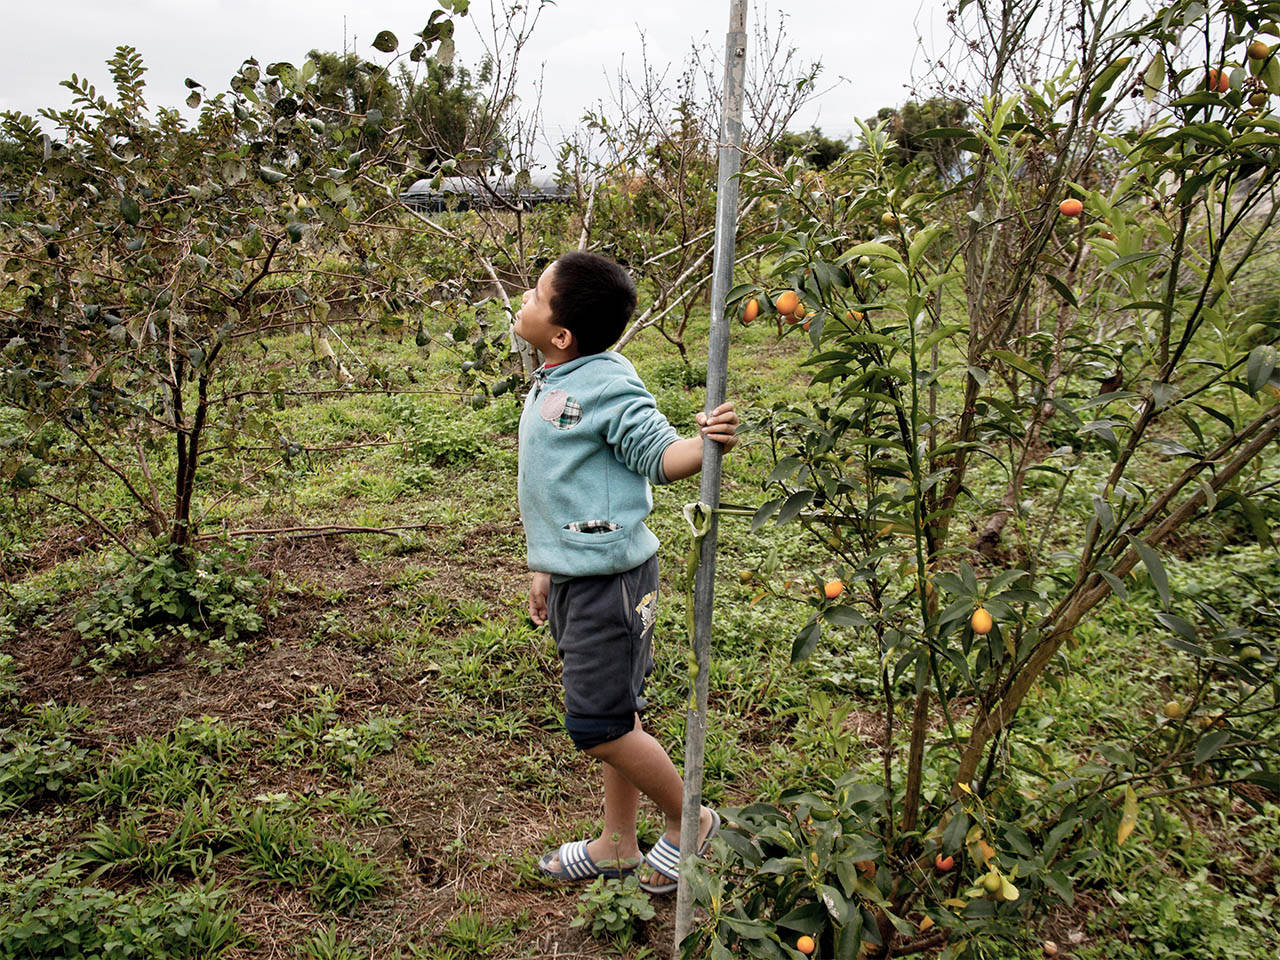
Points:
[[634, 428]]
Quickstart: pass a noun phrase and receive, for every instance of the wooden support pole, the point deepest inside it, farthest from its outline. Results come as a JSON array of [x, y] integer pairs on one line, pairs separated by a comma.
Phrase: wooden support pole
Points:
[[730, 161]]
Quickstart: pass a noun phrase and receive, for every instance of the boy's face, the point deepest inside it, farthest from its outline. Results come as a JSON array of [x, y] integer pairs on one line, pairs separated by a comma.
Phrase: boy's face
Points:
[[533, 319]]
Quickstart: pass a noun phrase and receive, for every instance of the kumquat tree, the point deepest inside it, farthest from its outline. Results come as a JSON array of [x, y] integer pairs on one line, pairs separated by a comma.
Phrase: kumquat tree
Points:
[[1076, 342]]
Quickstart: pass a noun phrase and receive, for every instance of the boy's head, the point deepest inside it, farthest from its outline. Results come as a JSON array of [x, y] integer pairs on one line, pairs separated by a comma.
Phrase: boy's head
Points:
[[585, 294]]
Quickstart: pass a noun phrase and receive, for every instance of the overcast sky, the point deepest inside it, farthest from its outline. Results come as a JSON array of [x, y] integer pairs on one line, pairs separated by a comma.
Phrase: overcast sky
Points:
[[869, 50]]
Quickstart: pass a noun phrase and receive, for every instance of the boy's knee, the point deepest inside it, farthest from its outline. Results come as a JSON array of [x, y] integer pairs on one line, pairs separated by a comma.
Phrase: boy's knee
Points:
[[595, 735]]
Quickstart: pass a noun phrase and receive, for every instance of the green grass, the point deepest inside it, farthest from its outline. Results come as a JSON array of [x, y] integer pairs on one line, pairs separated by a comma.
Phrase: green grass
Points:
[[390, 747]]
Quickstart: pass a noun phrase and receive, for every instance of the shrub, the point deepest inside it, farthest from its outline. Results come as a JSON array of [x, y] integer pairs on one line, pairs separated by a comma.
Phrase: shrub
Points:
[[212, 598], [32, 766], [438, 434]]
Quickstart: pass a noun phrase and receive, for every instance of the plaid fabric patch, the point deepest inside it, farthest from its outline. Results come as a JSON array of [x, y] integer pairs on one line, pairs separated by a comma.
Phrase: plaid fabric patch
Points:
[[592, 526], [571, 415]]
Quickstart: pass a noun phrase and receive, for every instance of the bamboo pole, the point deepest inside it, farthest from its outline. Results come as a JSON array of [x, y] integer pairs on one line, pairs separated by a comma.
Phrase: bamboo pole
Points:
[[730, 161]]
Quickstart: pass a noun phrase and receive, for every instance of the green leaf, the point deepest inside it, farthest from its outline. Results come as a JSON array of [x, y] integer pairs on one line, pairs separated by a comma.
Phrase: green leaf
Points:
[[1105, 81], [1063, 290], [762, 515], [795, 503], [844, 617], [941, 334], [1015, 361], [1210, 745], [1117, 584], [385, 41], [921, 242], [1262, 363], [130, 210], [1153, 78], [1060, 883], [750, 929], [873, 249], [1057, 835], [1271, 74], [270, 175], [1257, 520], [1131, 258], [1017, 838], [1155, 569], [944, 133], [808, 918], [806, 641], [1178, 625], [785, 467], [953, 836], [1177, 643]]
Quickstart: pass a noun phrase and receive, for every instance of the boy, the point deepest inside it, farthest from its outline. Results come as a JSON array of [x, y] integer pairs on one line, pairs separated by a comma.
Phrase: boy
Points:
[[591, 442]]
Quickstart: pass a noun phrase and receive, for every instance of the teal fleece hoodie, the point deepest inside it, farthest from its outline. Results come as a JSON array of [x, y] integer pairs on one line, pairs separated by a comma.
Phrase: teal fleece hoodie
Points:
[[591, 442]]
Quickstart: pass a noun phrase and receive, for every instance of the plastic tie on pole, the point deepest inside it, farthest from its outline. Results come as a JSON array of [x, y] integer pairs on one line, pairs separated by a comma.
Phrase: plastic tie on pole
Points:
[[698, 515]]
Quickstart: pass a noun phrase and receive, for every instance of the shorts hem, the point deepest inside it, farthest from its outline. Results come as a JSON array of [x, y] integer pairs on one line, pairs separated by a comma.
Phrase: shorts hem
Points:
[[588, 732]]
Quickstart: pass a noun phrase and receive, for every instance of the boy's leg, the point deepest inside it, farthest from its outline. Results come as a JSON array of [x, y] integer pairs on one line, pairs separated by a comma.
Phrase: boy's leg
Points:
[[621, 800], [633, 764], [642, 761]]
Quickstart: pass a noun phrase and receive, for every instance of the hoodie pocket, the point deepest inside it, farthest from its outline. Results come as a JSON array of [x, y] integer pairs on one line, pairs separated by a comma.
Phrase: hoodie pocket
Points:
[[600, 536]]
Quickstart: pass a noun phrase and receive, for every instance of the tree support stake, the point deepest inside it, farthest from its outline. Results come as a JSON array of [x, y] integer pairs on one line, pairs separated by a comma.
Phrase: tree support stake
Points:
[[730, 161]]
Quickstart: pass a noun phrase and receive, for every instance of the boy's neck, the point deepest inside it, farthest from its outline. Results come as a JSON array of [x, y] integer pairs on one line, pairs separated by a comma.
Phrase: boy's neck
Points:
[[554, 357]]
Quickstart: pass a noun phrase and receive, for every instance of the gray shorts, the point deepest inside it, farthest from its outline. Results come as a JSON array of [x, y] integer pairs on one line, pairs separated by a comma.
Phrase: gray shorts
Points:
[[603, 627]]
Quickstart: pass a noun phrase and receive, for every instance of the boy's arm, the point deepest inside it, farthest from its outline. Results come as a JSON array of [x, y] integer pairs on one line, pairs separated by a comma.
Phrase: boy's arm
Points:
[[684, 457]]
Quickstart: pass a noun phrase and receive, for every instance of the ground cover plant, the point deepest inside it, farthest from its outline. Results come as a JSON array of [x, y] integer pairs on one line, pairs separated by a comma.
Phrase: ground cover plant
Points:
[[994, 666]]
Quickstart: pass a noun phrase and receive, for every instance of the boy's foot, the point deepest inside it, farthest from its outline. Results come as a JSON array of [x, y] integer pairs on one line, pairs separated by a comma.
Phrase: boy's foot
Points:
[[658, 881], [604, 852]]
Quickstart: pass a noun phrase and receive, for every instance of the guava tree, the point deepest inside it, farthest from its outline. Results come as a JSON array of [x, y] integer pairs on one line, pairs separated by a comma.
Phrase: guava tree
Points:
[[154, 253], [996, 335]]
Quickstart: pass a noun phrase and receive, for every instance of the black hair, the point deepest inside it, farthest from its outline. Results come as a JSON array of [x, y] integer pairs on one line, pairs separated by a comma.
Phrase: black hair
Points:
[[593, 298]]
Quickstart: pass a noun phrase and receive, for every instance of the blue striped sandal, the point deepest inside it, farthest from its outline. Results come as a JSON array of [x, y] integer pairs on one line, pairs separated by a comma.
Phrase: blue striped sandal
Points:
[[576, 864], [664, 858]]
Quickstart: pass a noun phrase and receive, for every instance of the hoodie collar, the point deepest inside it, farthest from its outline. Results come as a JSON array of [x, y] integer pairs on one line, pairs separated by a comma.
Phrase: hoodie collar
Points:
[[544, 373]]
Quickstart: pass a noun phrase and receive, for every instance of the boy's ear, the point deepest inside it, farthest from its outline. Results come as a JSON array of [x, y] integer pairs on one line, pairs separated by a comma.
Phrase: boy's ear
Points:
[[563, 338]]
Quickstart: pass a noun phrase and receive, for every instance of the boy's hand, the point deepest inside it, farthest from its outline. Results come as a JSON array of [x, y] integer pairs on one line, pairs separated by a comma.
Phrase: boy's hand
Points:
[[721, 426], [538, 598]]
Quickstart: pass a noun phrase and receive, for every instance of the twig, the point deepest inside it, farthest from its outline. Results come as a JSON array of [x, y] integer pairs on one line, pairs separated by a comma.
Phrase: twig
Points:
[[102, 526], [266, 268], [388, 391], [321, 531], [586, 217]]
